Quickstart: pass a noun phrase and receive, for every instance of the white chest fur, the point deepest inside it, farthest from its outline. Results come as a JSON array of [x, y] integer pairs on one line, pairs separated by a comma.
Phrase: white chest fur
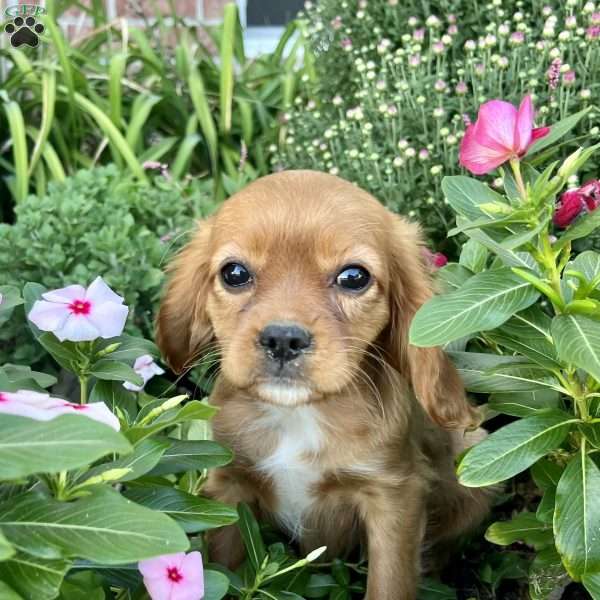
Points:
[[299, 435]]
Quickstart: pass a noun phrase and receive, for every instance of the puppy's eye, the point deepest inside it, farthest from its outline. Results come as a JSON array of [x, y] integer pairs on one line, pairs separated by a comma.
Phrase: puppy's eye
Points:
[[353, 278], [235, 275]]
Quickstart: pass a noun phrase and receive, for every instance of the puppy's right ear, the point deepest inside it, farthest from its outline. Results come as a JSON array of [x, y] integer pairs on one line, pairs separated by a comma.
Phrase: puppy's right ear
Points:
[[182, 325]]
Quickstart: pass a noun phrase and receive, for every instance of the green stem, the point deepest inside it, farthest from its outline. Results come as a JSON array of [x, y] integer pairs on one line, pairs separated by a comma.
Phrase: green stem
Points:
[[516, 168], [83, 385]]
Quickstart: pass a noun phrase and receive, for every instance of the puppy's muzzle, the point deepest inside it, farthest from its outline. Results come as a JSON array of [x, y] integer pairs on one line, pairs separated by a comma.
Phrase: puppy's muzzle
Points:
[[284, 341]]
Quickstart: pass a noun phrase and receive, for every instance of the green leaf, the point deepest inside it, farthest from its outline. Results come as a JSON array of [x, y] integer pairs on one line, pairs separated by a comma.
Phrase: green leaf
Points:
[[193, 513], [429, 589], [6, 550], [215, 585], [129, 348], [587, 263], [115, 371], [546, 473], [103, 527], [525, 527], [473, 256], [6, 592], [453, 276], [63, 353], [10, 298], [528, 333], [547, 576], [114, 395], [557, 131], [577, 516], [591, 583], [319, 585], [587, 223], [142, 460], [513, 448], [185, 456], [33, 578], [255, 547], [466, 195], [486, 301], [488, 373], [85, 585], [67, 442], [20, 377], [577, 341], [188, 412], [591, 432], [523, 404]]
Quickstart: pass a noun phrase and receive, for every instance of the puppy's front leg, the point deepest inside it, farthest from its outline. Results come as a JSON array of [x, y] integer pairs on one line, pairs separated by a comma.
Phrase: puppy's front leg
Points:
[[395, 525]]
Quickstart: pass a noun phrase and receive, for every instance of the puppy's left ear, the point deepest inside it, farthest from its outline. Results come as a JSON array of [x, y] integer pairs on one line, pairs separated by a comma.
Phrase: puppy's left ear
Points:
[[434, 379]]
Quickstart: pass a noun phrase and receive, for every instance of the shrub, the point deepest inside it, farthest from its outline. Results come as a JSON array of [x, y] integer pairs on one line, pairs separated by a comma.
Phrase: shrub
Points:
[[393, 85], [522, 314], [97, 221]]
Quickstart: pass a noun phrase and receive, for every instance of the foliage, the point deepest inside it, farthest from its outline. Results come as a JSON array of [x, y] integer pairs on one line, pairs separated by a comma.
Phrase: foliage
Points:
[[97, 221], [523, 315], [126, 95], [391, 84]]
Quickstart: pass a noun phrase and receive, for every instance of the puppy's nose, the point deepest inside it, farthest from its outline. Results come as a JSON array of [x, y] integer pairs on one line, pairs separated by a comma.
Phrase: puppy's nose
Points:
[[284, 341]]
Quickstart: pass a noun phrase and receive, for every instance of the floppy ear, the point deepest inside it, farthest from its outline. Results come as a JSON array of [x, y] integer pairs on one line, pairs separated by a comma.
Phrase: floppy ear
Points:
[[435, 382], [182, 325]]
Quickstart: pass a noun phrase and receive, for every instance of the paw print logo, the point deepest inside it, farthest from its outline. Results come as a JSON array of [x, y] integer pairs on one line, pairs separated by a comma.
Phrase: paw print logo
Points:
[[24, 31]]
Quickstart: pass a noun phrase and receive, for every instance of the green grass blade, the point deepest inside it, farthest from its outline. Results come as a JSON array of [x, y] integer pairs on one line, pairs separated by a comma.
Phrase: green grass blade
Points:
[[142, 107], [116, 70], [16, 125], [60, 46], [157, 151], [207, 125], [184, 154], [53, 163], [48, 103], [114, 135], [247, 120], [145, 49], [230, 24]]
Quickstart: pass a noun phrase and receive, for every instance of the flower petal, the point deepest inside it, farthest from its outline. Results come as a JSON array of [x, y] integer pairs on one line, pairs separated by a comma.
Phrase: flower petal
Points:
[[77, 328], [25, 404], [539, 132], [477, 158], [524, 125], [109, 318], [191, 567], [48, 316], [151, 567], [98, 293], [159, 588], [97, 411], [65, 295], [495, 127]]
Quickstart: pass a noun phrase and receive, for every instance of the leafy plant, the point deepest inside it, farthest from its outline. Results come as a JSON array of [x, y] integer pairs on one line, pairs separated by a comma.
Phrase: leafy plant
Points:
[[127, 95], [522, 314], [391, 83], [97, 221]]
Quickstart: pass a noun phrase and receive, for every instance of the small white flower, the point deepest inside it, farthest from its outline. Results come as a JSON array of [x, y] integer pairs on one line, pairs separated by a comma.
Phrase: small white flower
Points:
[[585, 94], [78, 314], [146, 368]]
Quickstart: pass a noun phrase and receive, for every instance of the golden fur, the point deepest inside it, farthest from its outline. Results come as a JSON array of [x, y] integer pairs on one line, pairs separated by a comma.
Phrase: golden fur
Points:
[[360, 446]]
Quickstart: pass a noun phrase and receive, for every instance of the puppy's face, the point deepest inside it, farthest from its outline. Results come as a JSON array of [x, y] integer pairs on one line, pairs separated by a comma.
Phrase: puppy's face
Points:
[[294, 279]]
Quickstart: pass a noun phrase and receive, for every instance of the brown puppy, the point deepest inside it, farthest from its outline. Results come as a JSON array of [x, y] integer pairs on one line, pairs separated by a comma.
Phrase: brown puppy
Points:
[[306, 286]]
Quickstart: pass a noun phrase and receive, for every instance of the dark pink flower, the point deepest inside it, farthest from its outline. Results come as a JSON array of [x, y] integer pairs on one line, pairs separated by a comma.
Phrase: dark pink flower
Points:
[[501, 133], [574, 202], [437, 260], [593, 32]]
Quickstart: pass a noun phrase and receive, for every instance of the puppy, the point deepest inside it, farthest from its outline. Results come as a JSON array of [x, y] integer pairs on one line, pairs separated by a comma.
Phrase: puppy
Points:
[[305, 286]]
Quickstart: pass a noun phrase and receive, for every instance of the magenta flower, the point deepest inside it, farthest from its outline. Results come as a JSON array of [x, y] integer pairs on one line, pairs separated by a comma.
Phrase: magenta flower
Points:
[[174, 576], [501, 133], [593, 32], [78, 314], [146, 368], [436, 260], [43, 407], [576, 201]]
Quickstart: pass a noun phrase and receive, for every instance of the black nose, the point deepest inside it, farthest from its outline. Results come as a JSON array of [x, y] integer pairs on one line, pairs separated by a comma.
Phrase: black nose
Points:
[[284, 341]]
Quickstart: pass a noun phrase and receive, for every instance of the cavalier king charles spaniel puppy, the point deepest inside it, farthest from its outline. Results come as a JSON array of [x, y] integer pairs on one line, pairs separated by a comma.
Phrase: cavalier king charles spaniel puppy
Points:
[[343, 432]]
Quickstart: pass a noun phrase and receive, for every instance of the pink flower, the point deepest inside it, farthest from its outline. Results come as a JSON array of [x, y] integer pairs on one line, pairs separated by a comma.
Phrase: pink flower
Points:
[[569, 78], [419, 35], [346, 44], [78, 314], [461, 88], [146, 368], [174, 576], [437, 260], [574, 202], [500, 133], [593, 32], [553, 73], [43, 407]]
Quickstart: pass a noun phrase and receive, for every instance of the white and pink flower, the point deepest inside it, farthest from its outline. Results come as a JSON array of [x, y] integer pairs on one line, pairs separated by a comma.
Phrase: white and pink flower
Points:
[[174, 576], [146, 368], [78, 314], [43, 407]]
